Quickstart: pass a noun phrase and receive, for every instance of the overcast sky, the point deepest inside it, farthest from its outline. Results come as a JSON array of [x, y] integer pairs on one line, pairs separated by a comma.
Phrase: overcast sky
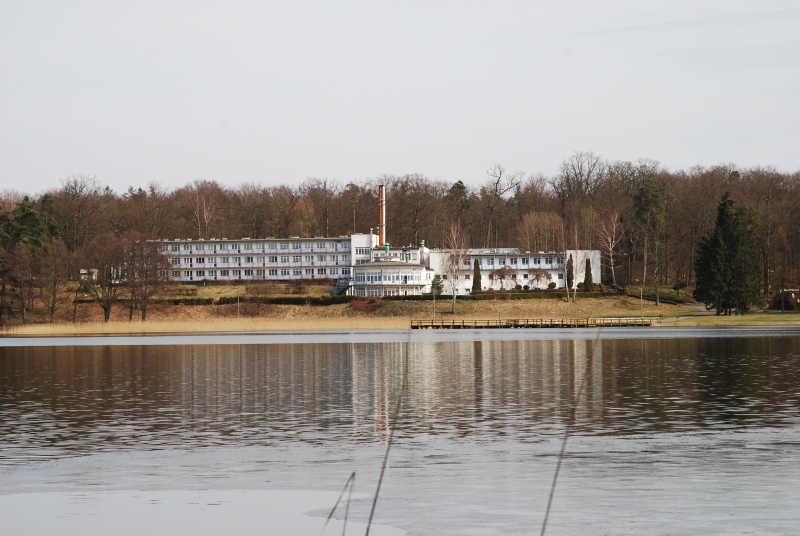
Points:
[[275, 92]]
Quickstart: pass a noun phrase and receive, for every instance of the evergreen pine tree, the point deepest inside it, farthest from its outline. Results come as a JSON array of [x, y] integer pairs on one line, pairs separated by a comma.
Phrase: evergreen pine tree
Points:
[[570, 272], [476, 277], [728, 276], [588, 284], [436, 285]]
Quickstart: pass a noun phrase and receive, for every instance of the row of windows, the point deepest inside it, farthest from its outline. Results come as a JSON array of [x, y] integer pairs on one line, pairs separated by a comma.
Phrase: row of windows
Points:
[[269, 258], [262, 273], [224, 246], [512, 261]]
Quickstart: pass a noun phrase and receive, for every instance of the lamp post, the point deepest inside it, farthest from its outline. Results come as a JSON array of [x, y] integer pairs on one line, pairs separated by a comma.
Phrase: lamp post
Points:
[[641, 299]]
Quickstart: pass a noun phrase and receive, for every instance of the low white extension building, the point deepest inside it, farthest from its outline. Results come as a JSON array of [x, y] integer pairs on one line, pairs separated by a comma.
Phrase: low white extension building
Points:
[[505, 268], [391, 278]]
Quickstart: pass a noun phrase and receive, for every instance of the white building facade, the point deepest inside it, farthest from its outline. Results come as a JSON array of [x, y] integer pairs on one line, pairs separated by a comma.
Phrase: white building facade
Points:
[[370, 270]]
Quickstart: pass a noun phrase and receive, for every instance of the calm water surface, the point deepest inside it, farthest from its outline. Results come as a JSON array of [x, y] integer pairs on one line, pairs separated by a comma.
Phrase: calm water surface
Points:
[[672, 435]]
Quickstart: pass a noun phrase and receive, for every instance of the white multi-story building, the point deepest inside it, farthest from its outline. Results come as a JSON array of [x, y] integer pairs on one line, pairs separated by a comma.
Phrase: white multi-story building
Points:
[[269, 258], [366, 265]]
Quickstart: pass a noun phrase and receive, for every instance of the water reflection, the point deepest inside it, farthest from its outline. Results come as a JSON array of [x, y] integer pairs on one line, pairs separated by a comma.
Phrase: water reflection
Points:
[[57, 402]]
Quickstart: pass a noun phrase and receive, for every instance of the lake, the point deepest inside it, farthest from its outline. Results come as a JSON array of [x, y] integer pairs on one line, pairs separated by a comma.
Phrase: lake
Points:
[[672, 432]]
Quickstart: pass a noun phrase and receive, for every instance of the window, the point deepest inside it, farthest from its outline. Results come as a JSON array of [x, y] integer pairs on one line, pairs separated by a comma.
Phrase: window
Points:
[[524, 276], [345, 271], [444, 276], [223, 246], [310, 271], [334, 271], [284, 258], [321, 258], [201, 273], [176, 273], [513, 261], [273, 271], [248, 259], [549, 260], [248, 246], [175, 260], [237, 273], [187, 260], [285, 271], [284, 245], [235, 246], [561, 276], [187, 247], [199, 247], [225, 259], [224, 273], [297, 258], [360, 277], [175, 247], [260, 259], [320, 271], [237, 259], [466, 277], [320, 244], [271, 245], [273, 258], [212, 260], [362, 251], [200, 260], [248, 273], [295, 245], [525, 261], [537, 260], [260, 273], [212, 273], [297, 271]]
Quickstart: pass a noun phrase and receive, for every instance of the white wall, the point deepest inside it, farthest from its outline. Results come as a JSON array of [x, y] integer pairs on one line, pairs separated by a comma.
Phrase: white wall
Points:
[[579, 257]]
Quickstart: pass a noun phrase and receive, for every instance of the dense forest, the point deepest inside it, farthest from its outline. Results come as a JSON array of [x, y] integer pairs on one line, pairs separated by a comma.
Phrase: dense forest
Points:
[[647, 220]]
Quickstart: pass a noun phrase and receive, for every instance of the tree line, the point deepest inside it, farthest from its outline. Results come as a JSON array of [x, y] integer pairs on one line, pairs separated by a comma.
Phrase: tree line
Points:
[[647, 220]]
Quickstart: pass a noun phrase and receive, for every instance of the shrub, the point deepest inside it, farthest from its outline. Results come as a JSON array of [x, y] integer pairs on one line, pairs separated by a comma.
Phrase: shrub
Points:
[[552, 285], [580, 286], [601, 287], [526, 287], [518, 287], [369, 306]]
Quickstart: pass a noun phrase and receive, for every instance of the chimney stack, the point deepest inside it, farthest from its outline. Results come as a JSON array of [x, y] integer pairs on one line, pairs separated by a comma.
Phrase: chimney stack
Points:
[[381, 215]]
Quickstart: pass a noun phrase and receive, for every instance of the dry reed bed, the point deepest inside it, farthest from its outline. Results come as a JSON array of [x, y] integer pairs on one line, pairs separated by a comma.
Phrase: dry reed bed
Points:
[[206, 326]]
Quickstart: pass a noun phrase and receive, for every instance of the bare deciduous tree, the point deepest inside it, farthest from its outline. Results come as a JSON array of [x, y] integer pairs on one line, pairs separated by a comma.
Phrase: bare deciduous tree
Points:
[[103, 281], [503, 274], [499, 184], [53, 275], [611, 234], [457, 253]]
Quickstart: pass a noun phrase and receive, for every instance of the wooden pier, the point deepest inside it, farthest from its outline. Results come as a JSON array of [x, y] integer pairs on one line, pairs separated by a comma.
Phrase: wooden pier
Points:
[[538, 323]]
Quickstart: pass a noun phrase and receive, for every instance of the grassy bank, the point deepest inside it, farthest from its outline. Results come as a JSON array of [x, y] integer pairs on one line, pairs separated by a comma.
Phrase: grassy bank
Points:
[[369, 316]]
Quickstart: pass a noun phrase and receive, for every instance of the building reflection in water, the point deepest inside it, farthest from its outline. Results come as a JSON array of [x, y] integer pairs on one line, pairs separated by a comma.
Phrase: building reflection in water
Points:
[[56, 401]]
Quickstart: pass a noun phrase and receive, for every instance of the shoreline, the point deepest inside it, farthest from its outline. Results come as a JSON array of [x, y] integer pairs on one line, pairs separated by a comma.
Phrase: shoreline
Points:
[[401, 336]]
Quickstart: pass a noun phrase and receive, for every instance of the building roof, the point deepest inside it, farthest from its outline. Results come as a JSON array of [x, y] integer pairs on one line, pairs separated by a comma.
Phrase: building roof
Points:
[[391, 264]]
